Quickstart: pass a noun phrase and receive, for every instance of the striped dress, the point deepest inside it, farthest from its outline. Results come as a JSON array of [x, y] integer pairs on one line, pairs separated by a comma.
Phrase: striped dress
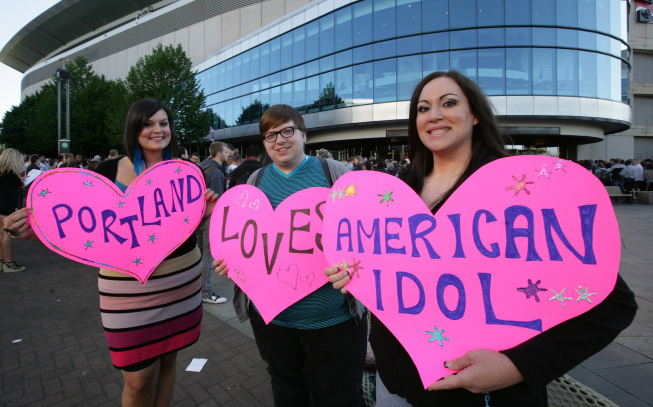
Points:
[[142, 322]]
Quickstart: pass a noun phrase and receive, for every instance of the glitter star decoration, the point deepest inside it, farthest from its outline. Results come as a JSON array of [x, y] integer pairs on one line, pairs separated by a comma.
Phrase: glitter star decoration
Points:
[[137, 261], [351, 190], [584, 295], [386, 197], [120, 204], [355, 266], [437, 336], [88, 244], [88, 184], [344, 266], [152, 238], [532, 290], [520, 185], [560, 297], [148, 182], [543, 172], [44, 192], [178, 170], [335, 194], [558, 165], [186, 220]]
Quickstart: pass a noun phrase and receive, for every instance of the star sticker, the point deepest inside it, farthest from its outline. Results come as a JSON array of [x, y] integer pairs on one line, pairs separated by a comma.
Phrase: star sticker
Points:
[[355, 266], [520, 185], [437, 336], [88, 184], [88, 244], [178, 170], [137, 261], [44, 192], [543, 172], [344, 266], [532, 290], [186, 220], [120, 204], [386, 197], [335, 194], [560, 297], [152, 238], [148, 182], [584, 295], [351, 190], [558, 165]]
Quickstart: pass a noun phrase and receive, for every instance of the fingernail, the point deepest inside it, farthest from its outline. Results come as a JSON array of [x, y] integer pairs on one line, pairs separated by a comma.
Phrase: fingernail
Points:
[[447, 364]]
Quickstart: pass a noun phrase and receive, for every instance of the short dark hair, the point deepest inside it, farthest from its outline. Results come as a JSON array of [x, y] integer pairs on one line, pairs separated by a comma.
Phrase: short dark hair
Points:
[[487, 140], [216, 147], [279, 114], [33, 158], [139, 113], [252, 152]]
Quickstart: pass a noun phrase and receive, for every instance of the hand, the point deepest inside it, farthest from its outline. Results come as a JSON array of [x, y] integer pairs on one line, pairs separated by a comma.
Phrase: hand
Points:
[[19, 222], [480, 371], [339, 278], [211, 197], [220, 267]]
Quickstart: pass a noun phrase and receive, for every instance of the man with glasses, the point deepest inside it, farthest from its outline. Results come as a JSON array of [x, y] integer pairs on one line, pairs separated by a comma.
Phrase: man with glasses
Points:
[[315, 349]]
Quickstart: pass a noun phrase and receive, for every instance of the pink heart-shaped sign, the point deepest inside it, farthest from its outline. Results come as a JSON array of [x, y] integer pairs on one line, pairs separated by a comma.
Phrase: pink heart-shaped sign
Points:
[[85, 217], [274, 255], [524, 244]]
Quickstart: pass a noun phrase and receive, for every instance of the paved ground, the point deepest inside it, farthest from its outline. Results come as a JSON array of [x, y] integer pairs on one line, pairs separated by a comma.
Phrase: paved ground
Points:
[[53, 351]]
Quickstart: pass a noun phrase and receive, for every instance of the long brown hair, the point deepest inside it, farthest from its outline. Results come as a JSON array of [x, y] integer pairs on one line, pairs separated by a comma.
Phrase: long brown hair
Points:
[[139, 113], [487, 140]]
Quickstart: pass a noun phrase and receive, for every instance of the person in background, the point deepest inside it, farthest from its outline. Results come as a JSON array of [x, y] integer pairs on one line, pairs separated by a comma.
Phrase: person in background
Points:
[[252, 163], [113, 153], [195, 158], [452, 133], [11, 183]]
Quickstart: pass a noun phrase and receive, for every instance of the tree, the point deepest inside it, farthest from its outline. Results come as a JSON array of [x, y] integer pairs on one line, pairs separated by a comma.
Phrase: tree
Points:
[[15, 123], [166, 75], [328, 97]]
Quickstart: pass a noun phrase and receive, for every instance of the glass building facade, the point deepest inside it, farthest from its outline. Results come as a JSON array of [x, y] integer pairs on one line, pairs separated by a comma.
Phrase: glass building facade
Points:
[[375, 51]]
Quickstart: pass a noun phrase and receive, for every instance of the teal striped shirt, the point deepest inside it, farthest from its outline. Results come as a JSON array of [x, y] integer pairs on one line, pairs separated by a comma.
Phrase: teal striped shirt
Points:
[[325, 306]]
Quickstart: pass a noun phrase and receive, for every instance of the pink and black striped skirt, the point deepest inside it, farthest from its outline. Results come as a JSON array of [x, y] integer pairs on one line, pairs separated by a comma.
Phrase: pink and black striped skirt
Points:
[[143, 322]]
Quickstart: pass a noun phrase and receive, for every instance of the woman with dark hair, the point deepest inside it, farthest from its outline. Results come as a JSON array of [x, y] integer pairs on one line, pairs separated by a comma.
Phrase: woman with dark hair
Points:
[[453, 132], [146, 325]]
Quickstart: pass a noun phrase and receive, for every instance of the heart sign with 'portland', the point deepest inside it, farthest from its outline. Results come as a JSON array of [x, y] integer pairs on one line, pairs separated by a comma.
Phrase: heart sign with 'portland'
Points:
[[274, 255], [524, 244], [85, 217]]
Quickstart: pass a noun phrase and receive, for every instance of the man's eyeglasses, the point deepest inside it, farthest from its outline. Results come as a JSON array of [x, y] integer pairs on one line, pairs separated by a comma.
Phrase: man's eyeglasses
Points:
[[287, 132]]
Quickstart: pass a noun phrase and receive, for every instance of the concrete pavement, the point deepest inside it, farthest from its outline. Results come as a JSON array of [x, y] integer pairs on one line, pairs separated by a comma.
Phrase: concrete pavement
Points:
[[53, 351]]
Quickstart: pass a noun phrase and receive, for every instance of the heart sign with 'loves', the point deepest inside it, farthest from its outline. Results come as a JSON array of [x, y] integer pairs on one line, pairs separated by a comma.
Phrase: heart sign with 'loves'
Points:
[[524, 244], [85, 217], [274, 255]]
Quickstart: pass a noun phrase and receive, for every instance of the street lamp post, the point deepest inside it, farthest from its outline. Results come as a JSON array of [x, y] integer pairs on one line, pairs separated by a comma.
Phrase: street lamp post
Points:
[[63, 145]]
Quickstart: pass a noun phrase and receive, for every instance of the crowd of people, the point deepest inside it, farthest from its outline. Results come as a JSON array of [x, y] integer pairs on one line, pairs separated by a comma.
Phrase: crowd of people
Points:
[[631, 176], [316, 349]]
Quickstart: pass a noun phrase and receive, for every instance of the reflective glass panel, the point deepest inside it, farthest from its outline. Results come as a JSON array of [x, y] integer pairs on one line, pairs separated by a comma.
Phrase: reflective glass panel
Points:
[[254, 64], [343, 29], [615, 75], [461, 13], [602, 43], [385, 80], [362, 24], [344, 58], [299, 40], [363, 54], [313, 93], [518, 12], [491, 37], [286, 50], [566, 38], [328, 98], [327, 63], [409, 73], [237, 70], [544, 71], [491, 67], [567, 13], [544, 12], [409, 17], [385, 49], [312, 68], [299, 72], [615, 18], [462, 39], [544, 36], [275, 54], [567, 72], [344, 85], [299, 95], [275, 95], [586, 40], [490, 12], [438, 15], [409, 45], [286, 94], [518, 71], [363, 81], [312, 40], [435, 42], [244, 67], [384, 21], [326, 34], [464, 62], [587, 14], [587, 74], [518, 36], [264, 59], [437, 61]]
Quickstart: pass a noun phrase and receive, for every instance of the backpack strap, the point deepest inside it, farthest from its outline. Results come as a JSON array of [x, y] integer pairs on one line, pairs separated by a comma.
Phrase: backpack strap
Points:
[[326, 169], [257, 180]]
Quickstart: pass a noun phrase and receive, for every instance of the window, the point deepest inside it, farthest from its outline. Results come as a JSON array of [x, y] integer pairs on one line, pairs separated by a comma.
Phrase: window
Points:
[[491, 37], [435, 42], [362, 24], [567, 13], [299, 40], [490, 12], [409, 73], [363, 82], [518, 12], [518, 71], [587, 74], [437, 61], [491, 75], [385, 49], [567, 72], [438, 15], [518, 36], [384, 20], [343, 29], [409, 17], [312, 40], [286, 50], [385, 80], [464, 62], [326, 35], [344, 85], [461, 13], [544, 71], [544, 12]]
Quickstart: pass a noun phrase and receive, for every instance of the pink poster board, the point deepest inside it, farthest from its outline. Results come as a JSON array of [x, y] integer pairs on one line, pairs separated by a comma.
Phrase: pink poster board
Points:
[[85, 217], [274, 256], [524, 244]]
